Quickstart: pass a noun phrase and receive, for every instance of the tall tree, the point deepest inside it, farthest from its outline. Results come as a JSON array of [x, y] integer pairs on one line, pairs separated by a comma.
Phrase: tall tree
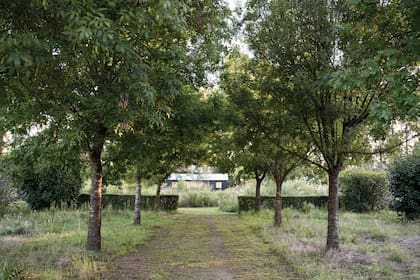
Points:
[[331, 74], [91, 68]]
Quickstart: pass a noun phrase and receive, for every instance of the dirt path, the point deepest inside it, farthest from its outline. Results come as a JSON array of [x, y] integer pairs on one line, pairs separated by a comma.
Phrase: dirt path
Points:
[[199, 245]]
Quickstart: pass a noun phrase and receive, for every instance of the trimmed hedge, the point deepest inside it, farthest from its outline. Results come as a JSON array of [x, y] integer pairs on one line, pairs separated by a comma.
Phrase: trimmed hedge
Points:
[[246, 203], [167, 202]]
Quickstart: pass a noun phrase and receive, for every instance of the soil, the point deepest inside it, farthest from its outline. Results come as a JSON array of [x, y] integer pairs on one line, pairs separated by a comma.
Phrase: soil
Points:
[[202, 246]]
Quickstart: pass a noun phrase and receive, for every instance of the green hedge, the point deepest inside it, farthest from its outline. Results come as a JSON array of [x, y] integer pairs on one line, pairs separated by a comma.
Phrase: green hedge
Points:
[[167, 202], [246, 203]]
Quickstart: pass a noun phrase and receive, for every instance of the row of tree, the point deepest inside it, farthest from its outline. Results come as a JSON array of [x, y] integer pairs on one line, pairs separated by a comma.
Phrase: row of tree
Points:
[[103, 75], [118, 81], [323, 79]]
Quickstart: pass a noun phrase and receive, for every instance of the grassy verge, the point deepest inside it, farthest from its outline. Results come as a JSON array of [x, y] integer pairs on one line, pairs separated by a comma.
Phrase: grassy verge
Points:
[[373, 246], [51, 244]]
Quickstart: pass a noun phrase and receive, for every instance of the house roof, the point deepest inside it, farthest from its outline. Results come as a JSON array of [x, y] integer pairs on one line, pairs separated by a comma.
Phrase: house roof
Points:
[[198, 177]]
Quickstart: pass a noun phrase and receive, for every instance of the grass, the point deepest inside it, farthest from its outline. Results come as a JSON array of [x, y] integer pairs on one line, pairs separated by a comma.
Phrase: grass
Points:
[[51, 244], [372, 245]]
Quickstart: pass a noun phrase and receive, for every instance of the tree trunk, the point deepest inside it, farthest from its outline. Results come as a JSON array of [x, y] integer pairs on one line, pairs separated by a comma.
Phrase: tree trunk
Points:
[[1, 143], [258, 180], [95, 208], [332, 233], [137, 203], [157, 197], [278, 205]]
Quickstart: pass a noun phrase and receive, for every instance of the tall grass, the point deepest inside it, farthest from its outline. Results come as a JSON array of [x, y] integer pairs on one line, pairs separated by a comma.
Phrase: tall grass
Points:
[[375, 245], [51, 244]]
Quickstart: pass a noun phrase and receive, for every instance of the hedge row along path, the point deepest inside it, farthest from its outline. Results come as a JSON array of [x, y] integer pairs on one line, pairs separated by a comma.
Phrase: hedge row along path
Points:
[[203, 244]]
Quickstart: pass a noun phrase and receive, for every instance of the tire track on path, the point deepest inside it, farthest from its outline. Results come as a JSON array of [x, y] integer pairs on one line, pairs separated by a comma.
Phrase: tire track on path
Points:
[[200, 245]]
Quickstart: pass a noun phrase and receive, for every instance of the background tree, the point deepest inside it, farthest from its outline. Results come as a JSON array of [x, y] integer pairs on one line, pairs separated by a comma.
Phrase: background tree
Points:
[[263, 125], [313, 53], [246, 139]]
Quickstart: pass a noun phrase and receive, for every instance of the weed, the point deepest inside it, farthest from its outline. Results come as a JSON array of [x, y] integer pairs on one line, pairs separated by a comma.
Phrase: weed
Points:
[[396, 254], [85, 267], [12, 271]]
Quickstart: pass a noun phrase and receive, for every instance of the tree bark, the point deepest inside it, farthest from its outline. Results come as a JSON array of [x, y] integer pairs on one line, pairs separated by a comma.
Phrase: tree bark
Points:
[[1, 143], [137, 202], [157, 197], [278, 203], [258, 180], [95, 208], [332, 233]]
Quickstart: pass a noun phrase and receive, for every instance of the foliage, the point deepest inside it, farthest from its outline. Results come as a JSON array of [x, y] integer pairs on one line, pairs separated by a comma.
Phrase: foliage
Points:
[[44, 173], [405, 186], [364, 190], [246, 203], [7, 195], [48, 187], [168, 202]]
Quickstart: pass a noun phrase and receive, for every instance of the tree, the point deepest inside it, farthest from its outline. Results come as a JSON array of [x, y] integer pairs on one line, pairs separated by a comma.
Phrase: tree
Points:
[[263, 126], [93, 67], [314, 54]]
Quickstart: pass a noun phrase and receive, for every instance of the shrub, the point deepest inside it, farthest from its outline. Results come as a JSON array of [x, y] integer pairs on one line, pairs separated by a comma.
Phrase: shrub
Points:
[[50, 186], [44, 172], [364, 190], [405, 187], [7, 195]]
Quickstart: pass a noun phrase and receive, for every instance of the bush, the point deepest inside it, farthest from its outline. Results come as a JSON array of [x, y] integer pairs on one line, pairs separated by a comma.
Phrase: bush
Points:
[[50, 186], [364, 190], [405, 187], [44, 172], [7, 196]]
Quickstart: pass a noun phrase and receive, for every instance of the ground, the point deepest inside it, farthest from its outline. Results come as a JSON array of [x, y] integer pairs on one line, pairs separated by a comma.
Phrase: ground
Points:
[[203, 245]]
